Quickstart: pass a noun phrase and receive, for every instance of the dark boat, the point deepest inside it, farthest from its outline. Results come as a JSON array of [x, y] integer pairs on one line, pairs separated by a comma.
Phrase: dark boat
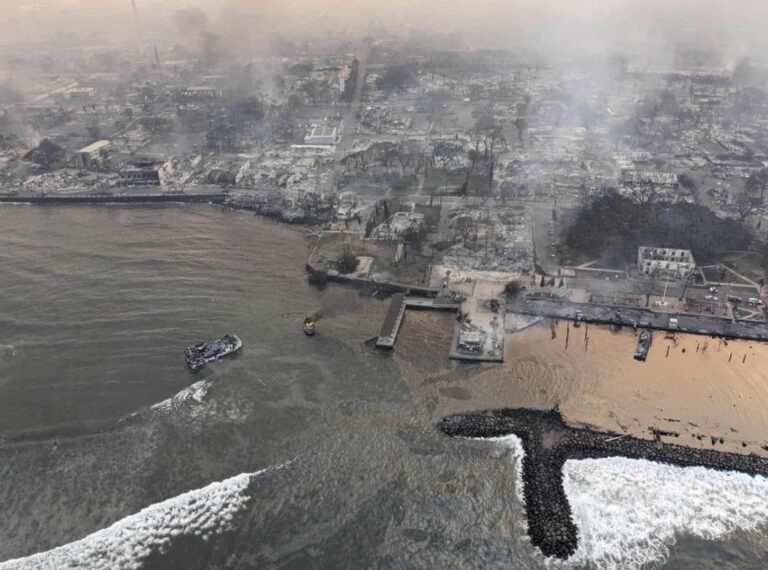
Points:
[[309, 326], [200, 354], [643, 345]]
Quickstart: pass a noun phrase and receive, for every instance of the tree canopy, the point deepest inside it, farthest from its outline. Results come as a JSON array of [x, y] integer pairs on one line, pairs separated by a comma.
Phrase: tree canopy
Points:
[[347, 262], [512, 289], [47, 154], [395, 78], [612, 227]]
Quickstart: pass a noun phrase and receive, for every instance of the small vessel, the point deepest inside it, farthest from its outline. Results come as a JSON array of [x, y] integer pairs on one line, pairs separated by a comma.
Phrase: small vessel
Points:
[[643, 345], [200, 354], [309, 326]]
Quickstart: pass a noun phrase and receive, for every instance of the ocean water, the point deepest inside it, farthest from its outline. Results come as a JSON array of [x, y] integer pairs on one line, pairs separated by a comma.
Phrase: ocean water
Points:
[[296, 453]]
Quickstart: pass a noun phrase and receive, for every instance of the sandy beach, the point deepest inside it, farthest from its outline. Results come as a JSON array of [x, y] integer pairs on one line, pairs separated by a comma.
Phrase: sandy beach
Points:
[[698, 387]]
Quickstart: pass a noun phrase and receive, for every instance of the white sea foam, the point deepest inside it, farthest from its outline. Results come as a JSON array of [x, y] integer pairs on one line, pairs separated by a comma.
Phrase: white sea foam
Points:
[[194, 394], [128, 542], [7, 351], [629, 511]]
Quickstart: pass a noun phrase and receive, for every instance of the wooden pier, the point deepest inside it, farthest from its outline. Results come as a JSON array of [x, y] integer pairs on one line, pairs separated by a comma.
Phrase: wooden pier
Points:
[[400, 304], [392, 322]]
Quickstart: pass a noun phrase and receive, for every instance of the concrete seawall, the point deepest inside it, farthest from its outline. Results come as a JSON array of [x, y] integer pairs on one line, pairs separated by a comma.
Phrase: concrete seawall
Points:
[[117, 199], [549, 443], [385, 287], [717, 327]]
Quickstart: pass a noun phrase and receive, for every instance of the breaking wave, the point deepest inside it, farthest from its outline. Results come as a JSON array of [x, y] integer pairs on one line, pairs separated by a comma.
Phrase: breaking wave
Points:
[[7, 351], [630, 511], [191, 395], [129, 542]]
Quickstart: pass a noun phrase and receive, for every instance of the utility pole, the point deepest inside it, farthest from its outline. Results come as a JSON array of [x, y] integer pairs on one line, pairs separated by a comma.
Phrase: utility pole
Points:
[[664, 296]]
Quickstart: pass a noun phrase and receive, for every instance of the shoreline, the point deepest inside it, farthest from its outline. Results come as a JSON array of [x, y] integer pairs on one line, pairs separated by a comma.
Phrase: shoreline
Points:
[[116, 199], [549, 442]]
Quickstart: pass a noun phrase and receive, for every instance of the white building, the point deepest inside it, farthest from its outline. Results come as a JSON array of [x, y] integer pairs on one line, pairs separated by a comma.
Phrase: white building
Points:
[[324, 134], [79, 93], [396, 226], [665, 262], [201, 93], [92, 153], [663, 180]]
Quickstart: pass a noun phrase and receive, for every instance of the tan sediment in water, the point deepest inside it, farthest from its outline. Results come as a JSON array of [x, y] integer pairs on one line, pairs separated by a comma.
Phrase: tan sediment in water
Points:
[[700, 394]]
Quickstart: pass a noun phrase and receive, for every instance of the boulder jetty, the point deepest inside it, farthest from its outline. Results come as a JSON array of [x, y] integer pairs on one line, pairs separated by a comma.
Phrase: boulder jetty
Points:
[[549, 442]]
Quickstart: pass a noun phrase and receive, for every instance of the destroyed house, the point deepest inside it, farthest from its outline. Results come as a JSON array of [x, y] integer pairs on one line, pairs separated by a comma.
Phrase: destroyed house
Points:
[[147, 172], [635, 178], [665, 262], [201, 93], [323, 134]]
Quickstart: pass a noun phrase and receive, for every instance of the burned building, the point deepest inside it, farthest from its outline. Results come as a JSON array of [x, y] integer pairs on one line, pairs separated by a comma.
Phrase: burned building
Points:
[[324, 134], [665, 262], [147, 172], [637, 178], [201, 93]]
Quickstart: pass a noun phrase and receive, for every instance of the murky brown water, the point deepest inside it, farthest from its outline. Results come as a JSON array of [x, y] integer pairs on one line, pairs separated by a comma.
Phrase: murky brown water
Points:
[[97, 303], [696, 386]]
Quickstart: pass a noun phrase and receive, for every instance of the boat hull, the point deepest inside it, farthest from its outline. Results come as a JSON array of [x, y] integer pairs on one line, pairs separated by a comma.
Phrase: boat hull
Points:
[[201, 354], [643, 346]]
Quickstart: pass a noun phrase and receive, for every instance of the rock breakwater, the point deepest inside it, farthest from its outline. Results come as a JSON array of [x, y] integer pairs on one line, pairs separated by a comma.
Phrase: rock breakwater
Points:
[[548, 443]]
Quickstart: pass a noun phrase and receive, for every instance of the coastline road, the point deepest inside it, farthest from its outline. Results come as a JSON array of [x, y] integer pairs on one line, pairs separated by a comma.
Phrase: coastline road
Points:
[[644, 318]]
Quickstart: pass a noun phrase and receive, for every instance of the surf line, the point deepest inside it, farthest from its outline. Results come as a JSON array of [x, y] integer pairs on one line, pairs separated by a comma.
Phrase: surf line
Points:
[[548, 443]]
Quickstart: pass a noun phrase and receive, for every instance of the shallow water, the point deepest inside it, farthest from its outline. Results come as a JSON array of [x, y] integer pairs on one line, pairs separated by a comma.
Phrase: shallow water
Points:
[[96, 305]]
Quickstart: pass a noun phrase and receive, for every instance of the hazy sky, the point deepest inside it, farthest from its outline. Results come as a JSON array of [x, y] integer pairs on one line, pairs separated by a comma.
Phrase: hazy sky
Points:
[[561, 25]]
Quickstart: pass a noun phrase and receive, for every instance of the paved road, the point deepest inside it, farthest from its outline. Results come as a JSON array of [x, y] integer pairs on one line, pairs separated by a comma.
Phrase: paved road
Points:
[[545, 232], [604, 314], [350, 117]]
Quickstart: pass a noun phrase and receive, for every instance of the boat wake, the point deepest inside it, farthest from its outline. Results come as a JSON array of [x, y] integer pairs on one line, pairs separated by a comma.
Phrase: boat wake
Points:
[[630, 511], [190, 396], [189, 400], [129, 542]]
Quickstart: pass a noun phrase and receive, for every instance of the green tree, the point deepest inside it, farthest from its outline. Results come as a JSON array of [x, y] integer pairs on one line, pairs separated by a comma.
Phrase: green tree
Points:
[[746, 204], [47, 154], [686, 181], [250, 109], [302, 69], [295, 102], [395, 78], [743, 72], [757, 184], [347, 262], [512, 289], [521, 125]]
